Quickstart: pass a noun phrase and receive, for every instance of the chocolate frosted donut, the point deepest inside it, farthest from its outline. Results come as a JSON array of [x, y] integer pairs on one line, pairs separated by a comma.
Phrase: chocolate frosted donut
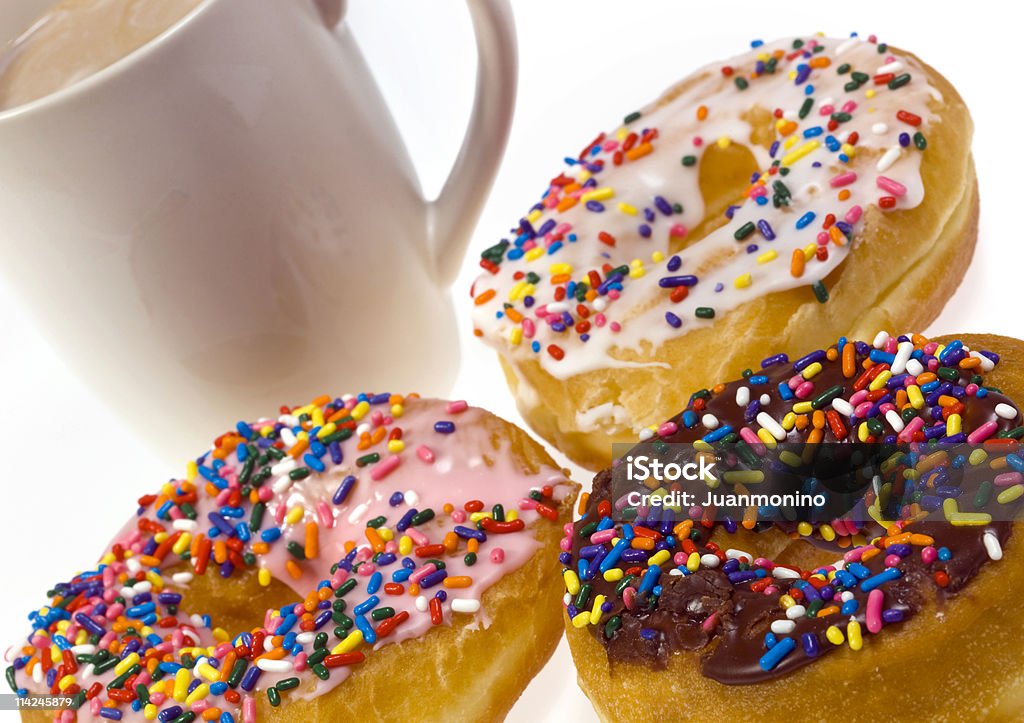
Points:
[[700, 606]]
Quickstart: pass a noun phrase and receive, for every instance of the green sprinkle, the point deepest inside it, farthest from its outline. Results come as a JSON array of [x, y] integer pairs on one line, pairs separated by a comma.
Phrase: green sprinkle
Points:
[[635, 115], [704, 312], [300, 473], [743, 231], [320, 671], [861, 78], [382, 614], [273, 696], [983, 495], [498, 512], [843, 69], [689, 160], [612, 626], [377, 522], [345, 587], [288, 684], [920, 141], [256, 518], [899, 81], [826, 397], [422, 516], [366, 459], [470, 559], [296, 550], [949, 374], [741, 83], [820, 292], [805, 109]]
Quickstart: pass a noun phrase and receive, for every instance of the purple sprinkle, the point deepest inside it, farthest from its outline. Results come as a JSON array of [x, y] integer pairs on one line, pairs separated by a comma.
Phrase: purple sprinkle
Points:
[[674, 321]]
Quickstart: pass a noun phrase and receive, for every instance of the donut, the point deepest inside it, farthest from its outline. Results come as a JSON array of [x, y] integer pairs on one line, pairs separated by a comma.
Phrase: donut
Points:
[[808, 188], [369, 557], [907, 604]]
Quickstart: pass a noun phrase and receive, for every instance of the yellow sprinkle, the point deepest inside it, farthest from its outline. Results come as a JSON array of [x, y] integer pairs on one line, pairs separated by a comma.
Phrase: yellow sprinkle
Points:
[[803, 407], [572, 582], [561, 268], [584, 176], [657, 257], [809, 251], [767, 256], [535, 253], [827, 533], [786, 601], [790, 459], [515, 337], [65, 682], [627, 208], [790, 142], [953, 425], [581, 620], [724, 141], [812, 370], [659, 558], [150, 711], [126, 663], [969, 519], [805, 529], [598, 194], [397, 410], [511, 515], [613, 575], [294, 515], [1010, 494], [533, 215], [395, 446], [318, 417], [360, 410], [870, 93], [201, 691], [977, 457], [264, 577], [693, 562], [595, 612], [915, 397], [386, 533], [798, 153], [209, 672], [765, 436], [327, 430], [636, 272], [879, 381], [863, 432], [405, 545], [517, 290], [191, 470], [789, 421], [742, 281], [849, 150], [853, 634], [350, 643], [834, 635], [181, 680], [743, 476], [220, 635]]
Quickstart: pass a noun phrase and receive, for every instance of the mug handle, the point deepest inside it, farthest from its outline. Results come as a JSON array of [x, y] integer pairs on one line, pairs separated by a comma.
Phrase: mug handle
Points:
[[452, 217]]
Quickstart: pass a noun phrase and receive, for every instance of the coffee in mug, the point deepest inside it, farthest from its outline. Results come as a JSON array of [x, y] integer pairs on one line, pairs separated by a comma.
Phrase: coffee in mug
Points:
[[77, 38]]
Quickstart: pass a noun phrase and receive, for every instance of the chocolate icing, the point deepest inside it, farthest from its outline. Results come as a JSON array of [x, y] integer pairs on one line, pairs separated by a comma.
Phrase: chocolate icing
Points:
[[732, 646]]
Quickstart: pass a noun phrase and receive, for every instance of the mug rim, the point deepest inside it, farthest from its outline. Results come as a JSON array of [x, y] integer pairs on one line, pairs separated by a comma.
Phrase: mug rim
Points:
[[108, 72]]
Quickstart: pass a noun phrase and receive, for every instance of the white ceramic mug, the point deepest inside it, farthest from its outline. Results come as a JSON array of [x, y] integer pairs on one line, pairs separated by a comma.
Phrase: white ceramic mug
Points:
[[226, 220]]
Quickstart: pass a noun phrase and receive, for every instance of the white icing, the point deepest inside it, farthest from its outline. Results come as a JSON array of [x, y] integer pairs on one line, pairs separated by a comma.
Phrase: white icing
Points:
[[718, 258]]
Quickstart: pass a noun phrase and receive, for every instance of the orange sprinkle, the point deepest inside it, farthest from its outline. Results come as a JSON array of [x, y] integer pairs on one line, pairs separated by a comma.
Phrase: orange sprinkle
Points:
[[581, 507], [483, 298], [639, 151], [300, 446], [451, 542], [642, 543], [312, 540], [796, 264], [293, 569], [260, 548], [702, 113], [844, 194], [473, 545], [375, 540], [830, 610], [832, 354], [970, 362], [820, 61], [458, 581]]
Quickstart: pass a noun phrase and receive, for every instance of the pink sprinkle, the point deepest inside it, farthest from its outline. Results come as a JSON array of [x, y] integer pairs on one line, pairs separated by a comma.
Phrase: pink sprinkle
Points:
[[912, 427], [497, 556], [416, 536], [422, 572], [666, 429], [892, 560], [748, 436], [710, 622], [367, 569], [265, 493], [567, 529], [843, 179], [528, 328], [541, 311], [854, 214], [603, 536], [614, 294], [764, 562], [826, 109], [678, 231], [849, 106], [525, 503], [894, 187], [981, 433], [698, 141], [600, 320], [971, 389], [458, 516], [874, 610], [323, 512], [1007, 479], [795, 381], [629, 597], [248, 709], [929, 555], [679, 558], [200, 705], [424, 452], [804, 390], [856, 553], [279, 513], [615, 327], [859, 397], [456, 407], [339, 577], [300, 662]]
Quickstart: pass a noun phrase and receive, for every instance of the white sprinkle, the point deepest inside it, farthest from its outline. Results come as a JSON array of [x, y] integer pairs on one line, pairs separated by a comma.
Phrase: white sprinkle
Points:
[[364, 428], [282, 484], [600, 303], [734, 554], [784, 573], [828, 100], [903, 352], [421, 603], [765, 400], [794, 612], [288, 437], [992, 546], [987, 364], [842, 406], [709, 420], [557, 307], [182, 578], [791, 115], [37, 673], [197, 620], [774, 428], [305, 638], [465, 605], [894, 420], [357, 513], [743, 396], [846, 596], [567, 598], [783, 627], [915, 367], [674, 572], [274, 666], [86, 673], [412, 497], [133, 565], [268, 643], [646, 433], [888, 158], [880, 339], [83, 649], [285, 466], [893, 67], [880, 129], [709, 560], [847, 45], [1006, 411]]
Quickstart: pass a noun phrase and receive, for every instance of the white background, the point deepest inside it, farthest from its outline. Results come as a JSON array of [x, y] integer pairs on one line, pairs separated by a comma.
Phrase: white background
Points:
[[70, 469]]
